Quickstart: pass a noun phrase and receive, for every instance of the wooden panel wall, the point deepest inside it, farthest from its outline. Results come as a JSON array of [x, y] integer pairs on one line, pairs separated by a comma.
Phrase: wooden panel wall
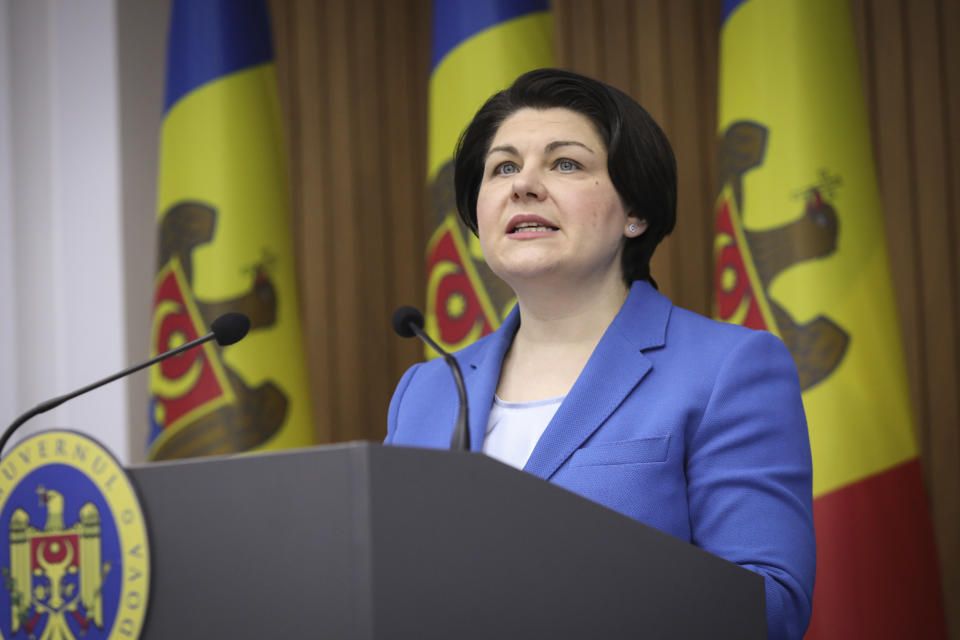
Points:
[[353, 83], [354, 76]]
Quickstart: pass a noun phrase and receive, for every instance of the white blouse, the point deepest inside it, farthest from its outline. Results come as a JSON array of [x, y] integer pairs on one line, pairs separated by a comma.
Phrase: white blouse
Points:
[[514, 428]]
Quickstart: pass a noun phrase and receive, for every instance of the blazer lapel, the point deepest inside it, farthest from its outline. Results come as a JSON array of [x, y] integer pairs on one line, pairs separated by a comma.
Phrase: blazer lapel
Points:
[[615, 368], [481, 373]]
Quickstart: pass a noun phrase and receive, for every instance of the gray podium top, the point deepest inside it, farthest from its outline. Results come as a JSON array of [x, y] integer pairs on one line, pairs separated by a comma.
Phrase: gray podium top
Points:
[[363, 541]]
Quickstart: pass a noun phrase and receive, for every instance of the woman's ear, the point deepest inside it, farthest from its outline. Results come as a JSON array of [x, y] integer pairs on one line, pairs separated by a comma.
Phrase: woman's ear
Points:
[[635, 227]]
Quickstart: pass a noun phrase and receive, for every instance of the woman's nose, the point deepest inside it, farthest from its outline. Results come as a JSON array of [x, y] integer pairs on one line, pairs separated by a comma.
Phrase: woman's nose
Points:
[[527, 185]]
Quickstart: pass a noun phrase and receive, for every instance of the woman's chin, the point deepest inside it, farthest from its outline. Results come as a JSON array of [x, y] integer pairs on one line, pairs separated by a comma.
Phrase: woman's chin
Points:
[[527, 274]]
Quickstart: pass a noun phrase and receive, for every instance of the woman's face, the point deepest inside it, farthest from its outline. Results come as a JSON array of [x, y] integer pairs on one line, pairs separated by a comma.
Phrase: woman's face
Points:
[[547, 210]]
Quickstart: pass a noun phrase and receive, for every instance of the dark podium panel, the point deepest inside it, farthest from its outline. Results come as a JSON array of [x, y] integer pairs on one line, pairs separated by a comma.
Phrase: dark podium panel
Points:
[[363, 541]]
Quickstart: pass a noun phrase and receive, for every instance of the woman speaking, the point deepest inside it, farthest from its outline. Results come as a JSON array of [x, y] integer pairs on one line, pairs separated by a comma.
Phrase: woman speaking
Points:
[[595, 381]]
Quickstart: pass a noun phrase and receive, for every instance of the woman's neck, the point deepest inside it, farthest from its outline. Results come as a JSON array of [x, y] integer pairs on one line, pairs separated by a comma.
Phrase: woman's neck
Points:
[[569, 317], [556, 337]]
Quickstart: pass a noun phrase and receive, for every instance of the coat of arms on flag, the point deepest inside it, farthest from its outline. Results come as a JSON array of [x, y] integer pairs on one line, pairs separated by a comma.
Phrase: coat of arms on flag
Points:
[[748, 260]]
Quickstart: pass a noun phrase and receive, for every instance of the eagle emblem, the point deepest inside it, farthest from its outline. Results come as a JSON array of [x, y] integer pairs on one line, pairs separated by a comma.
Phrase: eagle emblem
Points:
[[748, 260], [199, 405], [76, 562], [55, 572]]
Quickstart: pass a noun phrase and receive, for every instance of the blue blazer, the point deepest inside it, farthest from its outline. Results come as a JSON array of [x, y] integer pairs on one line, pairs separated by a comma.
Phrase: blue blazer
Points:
[[692, 426]]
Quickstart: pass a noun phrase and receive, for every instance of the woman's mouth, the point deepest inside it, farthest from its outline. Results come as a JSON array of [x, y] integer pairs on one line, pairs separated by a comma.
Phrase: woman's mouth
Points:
[[531, 224], [532, 227]]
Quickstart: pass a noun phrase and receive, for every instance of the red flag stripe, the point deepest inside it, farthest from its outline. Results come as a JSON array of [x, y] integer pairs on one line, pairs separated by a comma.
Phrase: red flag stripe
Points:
[[877, 572]]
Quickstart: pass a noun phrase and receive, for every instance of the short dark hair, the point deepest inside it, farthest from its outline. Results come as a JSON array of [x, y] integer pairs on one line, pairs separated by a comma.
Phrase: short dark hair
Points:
[[640, 160]]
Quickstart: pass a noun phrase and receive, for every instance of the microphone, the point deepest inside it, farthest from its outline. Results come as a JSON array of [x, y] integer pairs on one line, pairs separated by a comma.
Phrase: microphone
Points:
[[226, 330], [408, 322]]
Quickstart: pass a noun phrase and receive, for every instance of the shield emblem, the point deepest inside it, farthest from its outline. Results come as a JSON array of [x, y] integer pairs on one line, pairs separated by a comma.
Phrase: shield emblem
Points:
[[55, 575]]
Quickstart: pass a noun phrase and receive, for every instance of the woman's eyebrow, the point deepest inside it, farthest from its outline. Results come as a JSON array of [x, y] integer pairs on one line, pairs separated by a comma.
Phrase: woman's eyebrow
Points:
[[556, 144], [563, 143], [506, 148]]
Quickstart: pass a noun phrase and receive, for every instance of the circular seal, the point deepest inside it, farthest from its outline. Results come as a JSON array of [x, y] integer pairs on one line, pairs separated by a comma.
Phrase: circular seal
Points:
[[73, 545]]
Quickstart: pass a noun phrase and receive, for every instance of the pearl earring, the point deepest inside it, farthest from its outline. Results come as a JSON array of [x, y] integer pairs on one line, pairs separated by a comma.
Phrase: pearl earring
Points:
[[633, 228]]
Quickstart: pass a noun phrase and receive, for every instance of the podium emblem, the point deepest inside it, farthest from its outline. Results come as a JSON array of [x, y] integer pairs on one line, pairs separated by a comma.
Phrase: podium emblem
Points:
[[76, 561]]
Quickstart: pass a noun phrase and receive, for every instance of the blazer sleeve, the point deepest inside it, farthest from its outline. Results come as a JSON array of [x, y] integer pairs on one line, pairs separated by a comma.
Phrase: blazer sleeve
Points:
[[749, 478], [393, 413]]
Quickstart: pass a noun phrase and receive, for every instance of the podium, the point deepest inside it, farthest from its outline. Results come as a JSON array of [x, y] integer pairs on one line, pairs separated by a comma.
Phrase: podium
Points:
[[364, 541]]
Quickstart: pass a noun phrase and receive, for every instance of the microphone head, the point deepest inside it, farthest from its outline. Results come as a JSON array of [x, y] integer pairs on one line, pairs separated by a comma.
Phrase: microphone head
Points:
[[230, 328], [402, 319]]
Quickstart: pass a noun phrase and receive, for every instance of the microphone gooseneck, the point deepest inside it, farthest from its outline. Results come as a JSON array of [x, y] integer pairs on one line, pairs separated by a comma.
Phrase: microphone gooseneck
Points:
[[408, 322], [227, 329]]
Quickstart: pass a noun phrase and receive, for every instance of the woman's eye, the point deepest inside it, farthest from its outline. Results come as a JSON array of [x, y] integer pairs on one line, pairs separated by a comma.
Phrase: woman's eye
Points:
[[566, 164], [505, 168]]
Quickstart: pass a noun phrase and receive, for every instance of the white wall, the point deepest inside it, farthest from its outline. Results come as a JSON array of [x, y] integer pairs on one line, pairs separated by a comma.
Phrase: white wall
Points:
[[76, 209], [142, 45], [8, 387]]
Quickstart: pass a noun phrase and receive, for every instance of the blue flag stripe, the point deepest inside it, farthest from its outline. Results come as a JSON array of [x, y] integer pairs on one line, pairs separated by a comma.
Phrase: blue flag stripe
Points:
[[456, 20], [211, 38], [728, 7]]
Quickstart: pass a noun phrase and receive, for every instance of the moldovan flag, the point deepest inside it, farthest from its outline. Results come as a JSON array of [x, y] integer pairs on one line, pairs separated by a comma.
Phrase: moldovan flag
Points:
[[479, 48], [224, 243], [800, 251]]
